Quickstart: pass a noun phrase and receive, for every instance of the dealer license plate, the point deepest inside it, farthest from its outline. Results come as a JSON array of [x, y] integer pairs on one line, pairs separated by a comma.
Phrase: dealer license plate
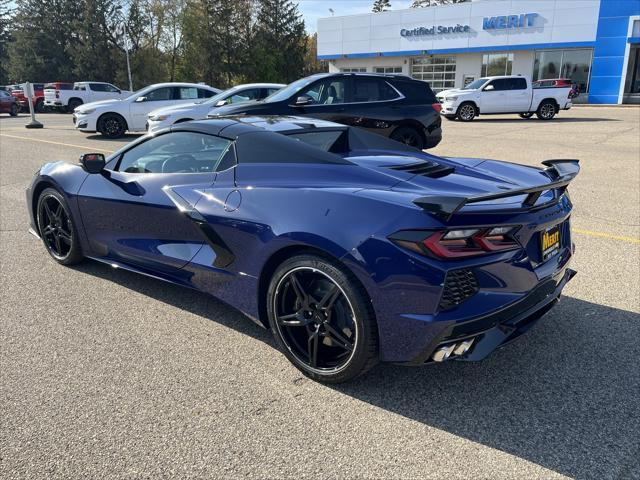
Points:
[[550, 242]]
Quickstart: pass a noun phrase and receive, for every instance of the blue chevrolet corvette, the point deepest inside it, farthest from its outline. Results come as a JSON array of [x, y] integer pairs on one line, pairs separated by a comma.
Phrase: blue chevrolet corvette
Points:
[[352, 248]]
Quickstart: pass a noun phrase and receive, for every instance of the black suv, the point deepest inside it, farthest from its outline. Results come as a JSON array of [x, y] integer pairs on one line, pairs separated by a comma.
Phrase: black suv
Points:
[[395, 106]]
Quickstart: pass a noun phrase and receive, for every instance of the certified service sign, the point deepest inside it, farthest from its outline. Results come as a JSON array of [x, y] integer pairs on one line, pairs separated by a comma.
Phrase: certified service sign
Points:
[[435, 30]]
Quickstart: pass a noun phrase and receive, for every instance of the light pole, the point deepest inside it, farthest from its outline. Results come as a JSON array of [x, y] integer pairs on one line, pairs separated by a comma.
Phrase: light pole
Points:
[[126, 51]]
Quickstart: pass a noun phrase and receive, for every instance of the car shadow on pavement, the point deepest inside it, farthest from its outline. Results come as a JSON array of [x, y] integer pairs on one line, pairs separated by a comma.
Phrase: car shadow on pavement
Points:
[[128, 137], [487, 119], [565, 396]]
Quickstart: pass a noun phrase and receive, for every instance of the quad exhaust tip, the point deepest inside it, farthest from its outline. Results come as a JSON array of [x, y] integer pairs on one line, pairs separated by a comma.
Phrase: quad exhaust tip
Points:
[[456, 349]]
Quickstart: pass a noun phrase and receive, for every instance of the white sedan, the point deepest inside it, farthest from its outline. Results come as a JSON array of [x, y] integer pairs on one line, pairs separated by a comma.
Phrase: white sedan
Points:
[[167, 116], [112, 118]]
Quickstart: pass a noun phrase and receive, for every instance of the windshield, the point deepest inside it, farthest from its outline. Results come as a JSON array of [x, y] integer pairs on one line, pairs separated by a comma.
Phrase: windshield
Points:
[[221, 96], [476, 84], [289, 90]]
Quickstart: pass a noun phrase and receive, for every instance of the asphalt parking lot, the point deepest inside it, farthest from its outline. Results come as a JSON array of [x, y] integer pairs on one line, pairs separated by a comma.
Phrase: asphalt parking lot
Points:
[[104, 373]]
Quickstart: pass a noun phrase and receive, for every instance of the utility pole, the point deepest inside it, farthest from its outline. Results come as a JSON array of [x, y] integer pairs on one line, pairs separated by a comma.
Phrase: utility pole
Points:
[[126, 51]]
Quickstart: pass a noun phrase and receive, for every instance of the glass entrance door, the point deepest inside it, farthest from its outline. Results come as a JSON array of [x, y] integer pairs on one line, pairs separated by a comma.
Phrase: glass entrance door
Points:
[[632, 81]]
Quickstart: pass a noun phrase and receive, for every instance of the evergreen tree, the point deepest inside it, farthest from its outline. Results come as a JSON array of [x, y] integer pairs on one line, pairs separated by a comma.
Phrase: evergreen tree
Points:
[[280, 42], [5, 38], [381, 6]]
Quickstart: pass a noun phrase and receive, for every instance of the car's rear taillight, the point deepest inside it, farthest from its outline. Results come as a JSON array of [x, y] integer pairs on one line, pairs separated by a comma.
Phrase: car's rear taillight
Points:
[[457, 243], [437, 107]]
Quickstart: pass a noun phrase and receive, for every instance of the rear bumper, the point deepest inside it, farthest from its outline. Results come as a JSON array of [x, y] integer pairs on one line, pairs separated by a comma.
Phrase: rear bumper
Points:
[[495, 330]]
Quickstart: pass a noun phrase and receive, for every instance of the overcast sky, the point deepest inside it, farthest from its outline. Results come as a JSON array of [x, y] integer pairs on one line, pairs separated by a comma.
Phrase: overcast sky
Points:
[[313, 9]]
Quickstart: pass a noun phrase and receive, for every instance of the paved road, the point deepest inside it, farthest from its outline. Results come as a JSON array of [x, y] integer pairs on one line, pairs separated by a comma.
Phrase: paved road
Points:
[[109, 374]]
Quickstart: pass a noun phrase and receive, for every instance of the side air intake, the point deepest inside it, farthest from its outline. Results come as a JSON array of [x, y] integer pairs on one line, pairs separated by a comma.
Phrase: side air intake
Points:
[[426, 169]]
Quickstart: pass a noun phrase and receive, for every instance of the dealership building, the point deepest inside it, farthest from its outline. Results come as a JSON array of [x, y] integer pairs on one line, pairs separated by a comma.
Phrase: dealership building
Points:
[[595, 43]]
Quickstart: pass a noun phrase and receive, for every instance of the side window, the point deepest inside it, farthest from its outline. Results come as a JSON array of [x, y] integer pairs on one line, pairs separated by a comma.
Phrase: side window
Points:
[[159, 94], [244, 96], [202, 93], [270, 91], [327, 92], [518, 83], [111, 88], [500, 84], [98, 87], [187, 93], [81, 87], [176, 152], [372, 90]]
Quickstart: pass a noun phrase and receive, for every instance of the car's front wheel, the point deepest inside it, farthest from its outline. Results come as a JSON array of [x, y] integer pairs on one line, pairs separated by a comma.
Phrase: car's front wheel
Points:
[[56, 228], [322, 319], [409, 136], [112, 125], [466, 112]]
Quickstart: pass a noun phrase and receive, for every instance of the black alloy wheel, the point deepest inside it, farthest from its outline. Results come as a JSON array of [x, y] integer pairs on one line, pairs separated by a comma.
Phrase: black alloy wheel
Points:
[[546, 110], [73, 104], [408, 136], [321, 321], [112, 126], [14, 110], [56, 228]]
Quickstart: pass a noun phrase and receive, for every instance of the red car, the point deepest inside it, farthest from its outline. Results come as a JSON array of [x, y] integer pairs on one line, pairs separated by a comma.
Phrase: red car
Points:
[[558, 82], [38, 97], [8, 103]]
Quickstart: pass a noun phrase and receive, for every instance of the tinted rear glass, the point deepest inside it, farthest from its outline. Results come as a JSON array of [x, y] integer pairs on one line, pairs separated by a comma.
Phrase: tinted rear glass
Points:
[[323, 140], [416, 90], [372, 90]]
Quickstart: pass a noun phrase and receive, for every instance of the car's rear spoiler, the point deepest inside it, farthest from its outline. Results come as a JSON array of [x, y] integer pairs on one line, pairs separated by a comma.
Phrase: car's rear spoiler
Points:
[[562, 171]]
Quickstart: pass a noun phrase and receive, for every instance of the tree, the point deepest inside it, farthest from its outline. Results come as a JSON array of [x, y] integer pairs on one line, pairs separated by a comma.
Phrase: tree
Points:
[[381, 6], [311, 63], [5, 38], [280, 42], [434, 3]]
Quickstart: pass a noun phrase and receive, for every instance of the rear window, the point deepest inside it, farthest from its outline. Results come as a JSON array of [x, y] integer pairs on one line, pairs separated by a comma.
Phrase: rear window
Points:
[[372, 90], [416, 90], [329, 141]]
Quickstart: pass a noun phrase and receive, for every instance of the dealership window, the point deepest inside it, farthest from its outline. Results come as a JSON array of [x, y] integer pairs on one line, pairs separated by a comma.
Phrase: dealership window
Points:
[[387, 69], [439, 71], [354, 70], [573, 64], [494, 64]]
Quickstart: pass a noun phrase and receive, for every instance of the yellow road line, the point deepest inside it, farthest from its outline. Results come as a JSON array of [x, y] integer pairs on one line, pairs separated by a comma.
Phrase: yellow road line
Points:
[[84, 147], [591, 233]]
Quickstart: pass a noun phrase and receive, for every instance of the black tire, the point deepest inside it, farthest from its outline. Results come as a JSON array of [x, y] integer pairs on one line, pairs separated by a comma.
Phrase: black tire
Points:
[[14, 110], [409, 136], [73, 104], [466, 112], [112, 125], [526, 115], [56, 228], [322, 319], [39, 106], [546, 110]]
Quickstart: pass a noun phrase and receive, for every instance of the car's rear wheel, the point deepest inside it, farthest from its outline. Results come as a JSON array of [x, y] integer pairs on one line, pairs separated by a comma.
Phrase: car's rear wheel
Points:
[[56, 228], [409, 136], [39, 106], [14, 110], [526, 115], [466, 112], [73, 104], [112, 125], [546, 110], [322, 319]]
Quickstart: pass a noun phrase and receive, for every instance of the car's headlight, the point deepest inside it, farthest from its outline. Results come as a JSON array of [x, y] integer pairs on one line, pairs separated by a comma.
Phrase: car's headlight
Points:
[[452, 99], [158, 118], [85, 112]]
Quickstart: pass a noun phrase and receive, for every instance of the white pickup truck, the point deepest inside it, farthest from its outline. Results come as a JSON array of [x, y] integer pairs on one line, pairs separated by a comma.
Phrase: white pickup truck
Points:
[[83, 92], [505, 94]]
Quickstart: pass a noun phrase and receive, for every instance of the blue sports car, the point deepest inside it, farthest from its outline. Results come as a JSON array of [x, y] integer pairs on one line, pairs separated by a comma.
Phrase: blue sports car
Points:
[[351, 247]]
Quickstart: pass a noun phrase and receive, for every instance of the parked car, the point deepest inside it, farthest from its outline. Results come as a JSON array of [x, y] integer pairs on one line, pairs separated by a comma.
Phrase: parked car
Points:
[[558, 82], [503, 94], [8, 103], [37, 99], [82, 93], [394, 106], [52, 95], [352, 248], [112, 118], [164, 117]]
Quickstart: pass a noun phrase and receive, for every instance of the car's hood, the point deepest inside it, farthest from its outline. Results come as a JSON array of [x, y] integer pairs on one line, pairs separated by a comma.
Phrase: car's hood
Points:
[[453, 91], [253, 107]]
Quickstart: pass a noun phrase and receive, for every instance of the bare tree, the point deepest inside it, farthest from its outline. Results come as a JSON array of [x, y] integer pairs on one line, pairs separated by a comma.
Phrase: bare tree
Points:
[[434, 3]]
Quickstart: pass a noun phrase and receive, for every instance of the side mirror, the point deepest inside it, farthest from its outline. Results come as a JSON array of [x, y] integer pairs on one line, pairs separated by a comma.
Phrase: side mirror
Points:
[[221, 103], [92, 162], [303, 100], [141, 99], [488, 88]]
